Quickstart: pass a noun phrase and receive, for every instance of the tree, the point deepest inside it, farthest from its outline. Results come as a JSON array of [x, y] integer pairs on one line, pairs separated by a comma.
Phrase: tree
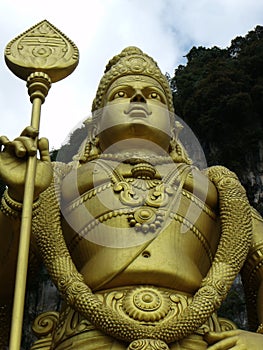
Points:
[[69, 149], [219, 93]]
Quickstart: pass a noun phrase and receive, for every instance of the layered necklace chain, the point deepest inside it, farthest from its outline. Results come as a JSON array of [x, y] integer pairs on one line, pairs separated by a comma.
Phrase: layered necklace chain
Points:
[[129, 157]]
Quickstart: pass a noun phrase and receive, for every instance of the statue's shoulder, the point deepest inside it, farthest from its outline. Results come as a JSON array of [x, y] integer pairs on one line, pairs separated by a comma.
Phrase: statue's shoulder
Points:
[[199, 184], [60, 169], [219, 171], [77, 180]]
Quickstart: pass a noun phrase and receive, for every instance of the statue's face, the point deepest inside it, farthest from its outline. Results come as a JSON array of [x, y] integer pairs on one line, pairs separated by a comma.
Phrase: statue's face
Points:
[[135, 109]]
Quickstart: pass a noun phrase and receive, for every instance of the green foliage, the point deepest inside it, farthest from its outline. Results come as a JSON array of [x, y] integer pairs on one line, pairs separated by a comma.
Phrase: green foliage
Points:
[[219, 93]]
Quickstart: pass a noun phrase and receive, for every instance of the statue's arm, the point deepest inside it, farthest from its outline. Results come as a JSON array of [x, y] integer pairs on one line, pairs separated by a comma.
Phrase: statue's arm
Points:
[[9, 233], [13, 163], [9, 239]]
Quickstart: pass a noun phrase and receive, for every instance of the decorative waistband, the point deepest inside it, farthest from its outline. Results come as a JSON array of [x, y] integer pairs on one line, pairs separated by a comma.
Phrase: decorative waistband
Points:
[[148, 305]]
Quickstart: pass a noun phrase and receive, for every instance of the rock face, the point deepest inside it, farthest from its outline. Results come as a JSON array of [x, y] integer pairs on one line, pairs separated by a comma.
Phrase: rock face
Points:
[[253, 179], [234, 307], [41, 296]]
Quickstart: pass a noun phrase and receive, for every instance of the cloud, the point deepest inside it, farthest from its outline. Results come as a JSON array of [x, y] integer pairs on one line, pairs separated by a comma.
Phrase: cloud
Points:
[[215, 22], [165, 29]]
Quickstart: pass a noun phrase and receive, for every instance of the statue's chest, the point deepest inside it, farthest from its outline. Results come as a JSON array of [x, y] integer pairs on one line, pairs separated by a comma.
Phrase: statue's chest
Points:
[[136, 198], [110, 216]]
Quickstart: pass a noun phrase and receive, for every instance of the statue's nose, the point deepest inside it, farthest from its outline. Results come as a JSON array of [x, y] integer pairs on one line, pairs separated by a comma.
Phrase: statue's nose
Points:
[[138, 97]]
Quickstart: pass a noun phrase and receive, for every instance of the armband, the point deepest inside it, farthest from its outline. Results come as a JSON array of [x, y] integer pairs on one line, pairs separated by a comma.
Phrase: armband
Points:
[[12, 208]]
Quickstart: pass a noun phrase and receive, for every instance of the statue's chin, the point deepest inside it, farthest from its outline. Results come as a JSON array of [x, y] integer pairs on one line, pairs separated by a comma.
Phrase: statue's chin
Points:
[[137, 136]]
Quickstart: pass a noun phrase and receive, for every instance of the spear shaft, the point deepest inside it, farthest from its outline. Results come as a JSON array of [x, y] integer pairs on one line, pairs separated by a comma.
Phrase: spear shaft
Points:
[[37, 99]]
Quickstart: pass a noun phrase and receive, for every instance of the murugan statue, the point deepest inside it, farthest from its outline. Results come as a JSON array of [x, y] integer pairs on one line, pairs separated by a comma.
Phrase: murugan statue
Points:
[[142, 245]]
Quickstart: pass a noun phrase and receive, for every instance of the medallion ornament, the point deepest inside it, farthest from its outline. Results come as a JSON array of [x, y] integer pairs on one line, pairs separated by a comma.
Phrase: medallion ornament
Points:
[[146, 304]]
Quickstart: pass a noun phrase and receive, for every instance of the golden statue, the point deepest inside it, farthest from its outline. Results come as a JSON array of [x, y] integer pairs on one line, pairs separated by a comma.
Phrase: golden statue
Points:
[[141, 244]]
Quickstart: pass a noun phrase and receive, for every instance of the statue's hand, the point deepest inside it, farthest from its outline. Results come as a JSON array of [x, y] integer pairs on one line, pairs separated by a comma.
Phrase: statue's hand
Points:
[[236, 339], [13, 163]]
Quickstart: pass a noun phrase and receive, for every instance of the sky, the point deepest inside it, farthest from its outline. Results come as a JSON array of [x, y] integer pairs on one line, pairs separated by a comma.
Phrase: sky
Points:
[[164, 29]]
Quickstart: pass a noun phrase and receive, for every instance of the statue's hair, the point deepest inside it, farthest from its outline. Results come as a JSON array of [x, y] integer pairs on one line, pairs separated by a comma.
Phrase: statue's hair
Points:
[[131, 61]]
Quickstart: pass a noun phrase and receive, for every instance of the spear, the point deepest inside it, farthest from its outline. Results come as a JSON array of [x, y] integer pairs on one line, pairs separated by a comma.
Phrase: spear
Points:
[[42, 55]]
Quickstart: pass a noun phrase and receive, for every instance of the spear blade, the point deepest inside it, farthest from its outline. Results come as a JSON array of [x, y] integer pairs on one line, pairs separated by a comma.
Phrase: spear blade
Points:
[[42, 48]]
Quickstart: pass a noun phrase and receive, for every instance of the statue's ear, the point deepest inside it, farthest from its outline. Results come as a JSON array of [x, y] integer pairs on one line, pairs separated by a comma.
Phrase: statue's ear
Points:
[[90, 149]]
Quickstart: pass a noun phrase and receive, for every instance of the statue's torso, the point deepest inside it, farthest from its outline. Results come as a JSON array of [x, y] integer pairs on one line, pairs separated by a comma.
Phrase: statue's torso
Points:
[[123, 230]]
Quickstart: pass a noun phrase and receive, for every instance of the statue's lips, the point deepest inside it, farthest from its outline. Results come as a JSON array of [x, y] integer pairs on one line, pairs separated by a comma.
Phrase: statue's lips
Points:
[[139, 109]]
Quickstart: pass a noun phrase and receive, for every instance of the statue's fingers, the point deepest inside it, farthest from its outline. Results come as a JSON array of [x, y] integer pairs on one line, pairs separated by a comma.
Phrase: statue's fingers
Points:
[[4, 141], [43, 146], [18, 148], [212, 337], [25, 143], [222, 340], [29, 131]]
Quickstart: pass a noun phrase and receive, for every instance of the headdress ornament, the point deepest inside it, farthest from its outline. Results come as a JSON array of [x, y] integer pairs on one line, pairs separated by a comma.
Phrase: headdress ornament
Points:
[[131, 61]]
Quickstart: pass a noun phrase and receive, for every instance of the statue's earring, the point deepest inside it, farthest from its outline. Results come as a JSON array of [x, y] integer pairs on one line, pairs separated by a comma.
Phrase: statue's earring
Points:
[[177, 151], [94, 148], [91, 150]]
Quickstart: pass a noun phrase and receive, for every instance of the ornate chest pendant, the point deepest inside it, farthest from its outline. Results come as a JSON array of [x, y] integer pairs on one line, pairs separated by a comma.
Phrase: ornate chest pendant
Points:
[[149, 196]]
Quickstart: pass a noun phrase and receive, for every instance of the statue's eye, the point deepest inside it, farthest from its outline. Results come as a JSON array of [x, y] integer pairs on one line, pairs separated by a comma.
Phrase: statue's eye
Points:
[[120, 94], [154, 95]]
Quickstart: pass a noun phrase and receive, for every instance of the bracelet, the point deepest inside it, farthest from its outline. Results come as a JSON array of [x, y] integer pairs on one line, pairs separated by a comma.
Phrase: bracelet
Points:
[[17, 206], [260, 329], [12, 208]]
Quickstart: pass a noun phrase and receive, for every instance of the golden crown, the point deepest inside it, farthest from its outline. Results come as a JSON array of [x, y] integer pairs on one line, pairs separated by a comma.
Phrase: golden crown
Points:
[[131, 61]]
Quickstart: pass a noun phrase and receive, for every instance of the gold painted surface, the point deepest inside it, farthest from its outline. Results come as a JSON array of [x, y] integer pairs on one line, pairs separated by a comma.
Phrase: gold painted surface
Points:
[[42, 48], [141, 244]]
